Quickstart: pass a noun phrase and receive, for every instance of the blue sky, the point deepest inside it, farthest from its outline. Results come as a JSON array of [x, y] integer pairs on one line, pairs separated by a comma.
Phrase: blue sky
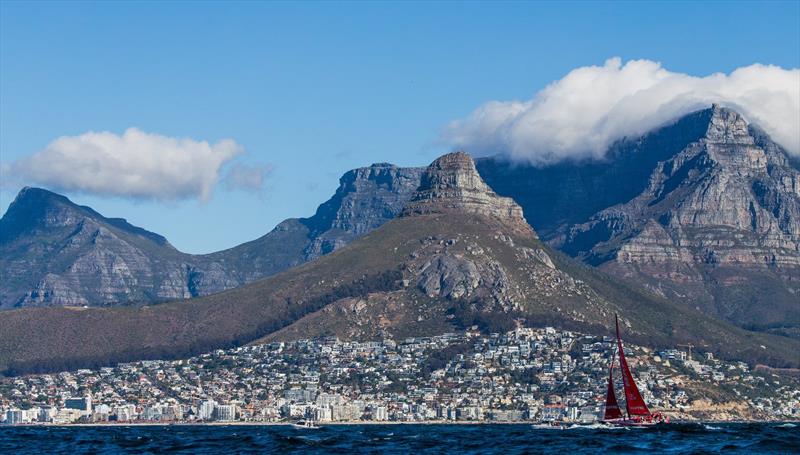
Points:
[[312, 90]]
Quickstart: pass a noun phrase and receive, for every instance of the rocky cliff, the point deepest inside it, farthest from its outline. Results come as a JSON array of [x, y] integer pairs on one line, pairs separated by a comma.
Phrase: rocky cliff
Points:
[[54, 252], [716, 222], [558, 196], [366, 198]]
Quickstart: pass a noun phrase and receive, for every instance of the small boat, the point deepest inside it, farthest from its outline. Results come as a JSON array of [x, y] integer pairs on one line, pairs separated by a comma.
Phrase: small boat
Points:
[[637, 412], [305, 424]]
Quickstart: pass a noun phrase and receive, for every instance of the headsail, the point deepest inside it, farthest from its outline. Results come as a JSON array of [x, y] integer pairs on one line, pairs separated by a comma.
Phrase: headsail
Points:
[[633, 399], [612, 407]]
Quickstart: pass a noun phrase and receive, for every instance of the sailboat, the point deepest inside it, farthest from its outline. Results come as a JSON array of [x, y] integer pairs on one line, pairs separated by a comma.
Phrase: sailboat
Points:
[[635, 407]]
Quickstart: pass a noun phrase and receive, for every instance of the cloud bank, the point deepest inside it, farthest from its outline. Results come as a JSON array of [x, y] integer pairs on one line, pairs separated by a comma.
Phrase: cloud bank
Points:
[[580, 115], [136, 165]]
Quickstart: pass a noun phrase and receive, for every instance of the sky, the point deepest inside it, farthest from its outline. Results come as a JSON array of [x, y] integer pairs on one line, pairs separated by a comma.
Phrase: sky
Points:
[[209, 123]]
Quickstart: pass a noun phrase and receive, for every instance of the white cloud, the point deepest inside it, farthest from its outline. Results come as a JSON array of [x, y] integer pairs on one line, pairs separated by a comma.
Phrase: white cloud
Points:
[[580, 115], [135, 165], [247, 177]]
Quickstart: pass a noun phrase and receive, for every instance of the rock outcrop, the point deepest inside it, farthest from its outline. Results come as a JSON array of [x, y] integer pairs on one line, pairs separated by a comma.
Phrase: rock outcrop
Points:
[[366, 198], [558, 196], [451, 184], [458, 268]]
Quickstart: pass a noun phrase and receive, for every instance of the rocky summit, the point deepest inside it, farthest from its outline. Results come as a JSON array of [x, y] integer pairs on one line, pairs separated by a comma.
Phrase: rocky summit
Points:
[[451, 184], [366, 198], [717, 224], [458, 258]]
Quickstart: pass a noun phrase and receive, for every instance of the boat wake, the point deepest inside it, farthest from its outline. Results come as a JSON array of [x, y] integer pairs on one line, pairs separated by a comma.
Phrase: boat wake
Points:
[[593, 426]]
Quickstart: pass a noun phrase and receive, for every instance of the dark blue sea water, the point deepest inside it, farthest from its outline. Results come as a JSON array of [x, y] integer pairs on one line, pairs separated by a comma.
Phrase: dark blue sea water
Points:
[[403, 439]]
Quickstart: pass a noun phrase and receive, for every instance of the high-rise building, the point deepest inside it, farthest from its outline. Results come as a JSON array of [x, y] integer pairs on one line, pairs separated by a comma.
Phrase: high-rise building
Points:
[[225, 412], [124, 413], [381, 413], [83, 404], [322, 414], [15, 416], [46, 413], [206, 410]]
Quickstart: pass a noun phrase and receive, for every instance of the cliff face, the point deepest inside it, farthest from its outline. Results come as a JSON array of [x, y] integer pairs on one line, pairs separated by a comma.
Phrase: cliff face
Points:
[[54, 252], [451, 184], [366, 198], [715, 221], [558, 196]]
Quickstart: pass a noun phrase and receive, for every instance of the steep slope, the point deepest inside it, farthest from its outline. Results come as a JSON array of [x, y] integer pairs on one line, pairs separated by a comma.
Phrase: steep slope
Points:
[[56, 253], [458, 256], [718, 226]]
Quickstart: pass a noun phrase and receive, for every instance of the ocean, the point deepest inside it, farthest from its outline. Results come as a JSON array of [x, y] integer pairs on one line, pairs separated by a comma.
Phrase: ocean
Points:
[[728, 438]]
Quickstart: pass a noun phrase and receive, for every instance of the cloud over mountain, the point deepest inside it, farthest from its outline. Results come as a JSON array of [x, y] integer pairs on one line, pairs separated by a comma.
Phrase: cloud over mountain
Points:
[[580, 115], [136, 164]]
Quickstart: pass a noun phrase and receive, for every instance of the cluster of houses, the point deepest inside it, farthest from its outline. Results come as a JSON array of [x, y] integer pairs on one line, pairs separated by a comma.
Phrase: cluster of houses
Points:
[[527, 374]]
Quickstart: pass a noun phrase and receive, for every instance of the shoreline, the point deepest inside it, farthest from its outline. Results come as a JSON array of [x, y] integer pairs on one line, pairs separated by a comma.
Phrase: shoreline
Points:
[[358, 423]]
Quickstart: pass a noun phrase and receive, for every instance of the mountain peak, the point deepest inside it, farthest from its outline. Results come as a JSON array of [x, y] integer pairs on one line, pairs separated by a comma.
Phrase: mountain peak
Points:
[[452, 185], [37, 208], [32, 194], [727, 126], [32, 207]]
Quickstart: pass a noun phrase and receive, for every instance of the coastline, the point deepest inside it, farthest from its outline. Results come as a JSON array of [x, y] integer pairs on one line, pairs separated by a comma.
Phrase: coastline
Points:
[[363, 423]]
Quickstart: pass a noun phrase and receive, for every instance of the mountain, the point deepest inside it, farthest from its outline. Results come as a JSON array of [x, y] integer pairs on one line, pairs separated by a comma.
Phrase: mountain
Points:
[[557, 196], [55, 253], [705, 211], [718, 226], [459, 255], [365, 199]]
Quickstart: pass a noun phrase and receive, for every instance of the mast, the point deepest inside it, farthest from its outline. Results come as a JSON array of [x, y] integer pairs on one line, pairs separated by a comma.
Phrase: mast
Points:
[[634, 403], [612, 407]]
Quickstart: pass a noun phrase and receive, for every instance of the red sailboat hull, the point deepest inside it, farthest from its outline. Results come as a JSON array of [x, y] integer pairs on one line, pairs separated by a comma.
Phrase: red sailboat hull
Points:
[[653, 419]]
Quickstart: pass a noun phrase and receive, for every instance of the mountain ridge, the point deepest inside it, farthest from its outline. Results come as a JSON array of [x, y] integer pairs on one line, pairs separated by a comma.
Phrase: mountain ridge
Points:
[[45, 264], [647, 168], [427, 272]]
